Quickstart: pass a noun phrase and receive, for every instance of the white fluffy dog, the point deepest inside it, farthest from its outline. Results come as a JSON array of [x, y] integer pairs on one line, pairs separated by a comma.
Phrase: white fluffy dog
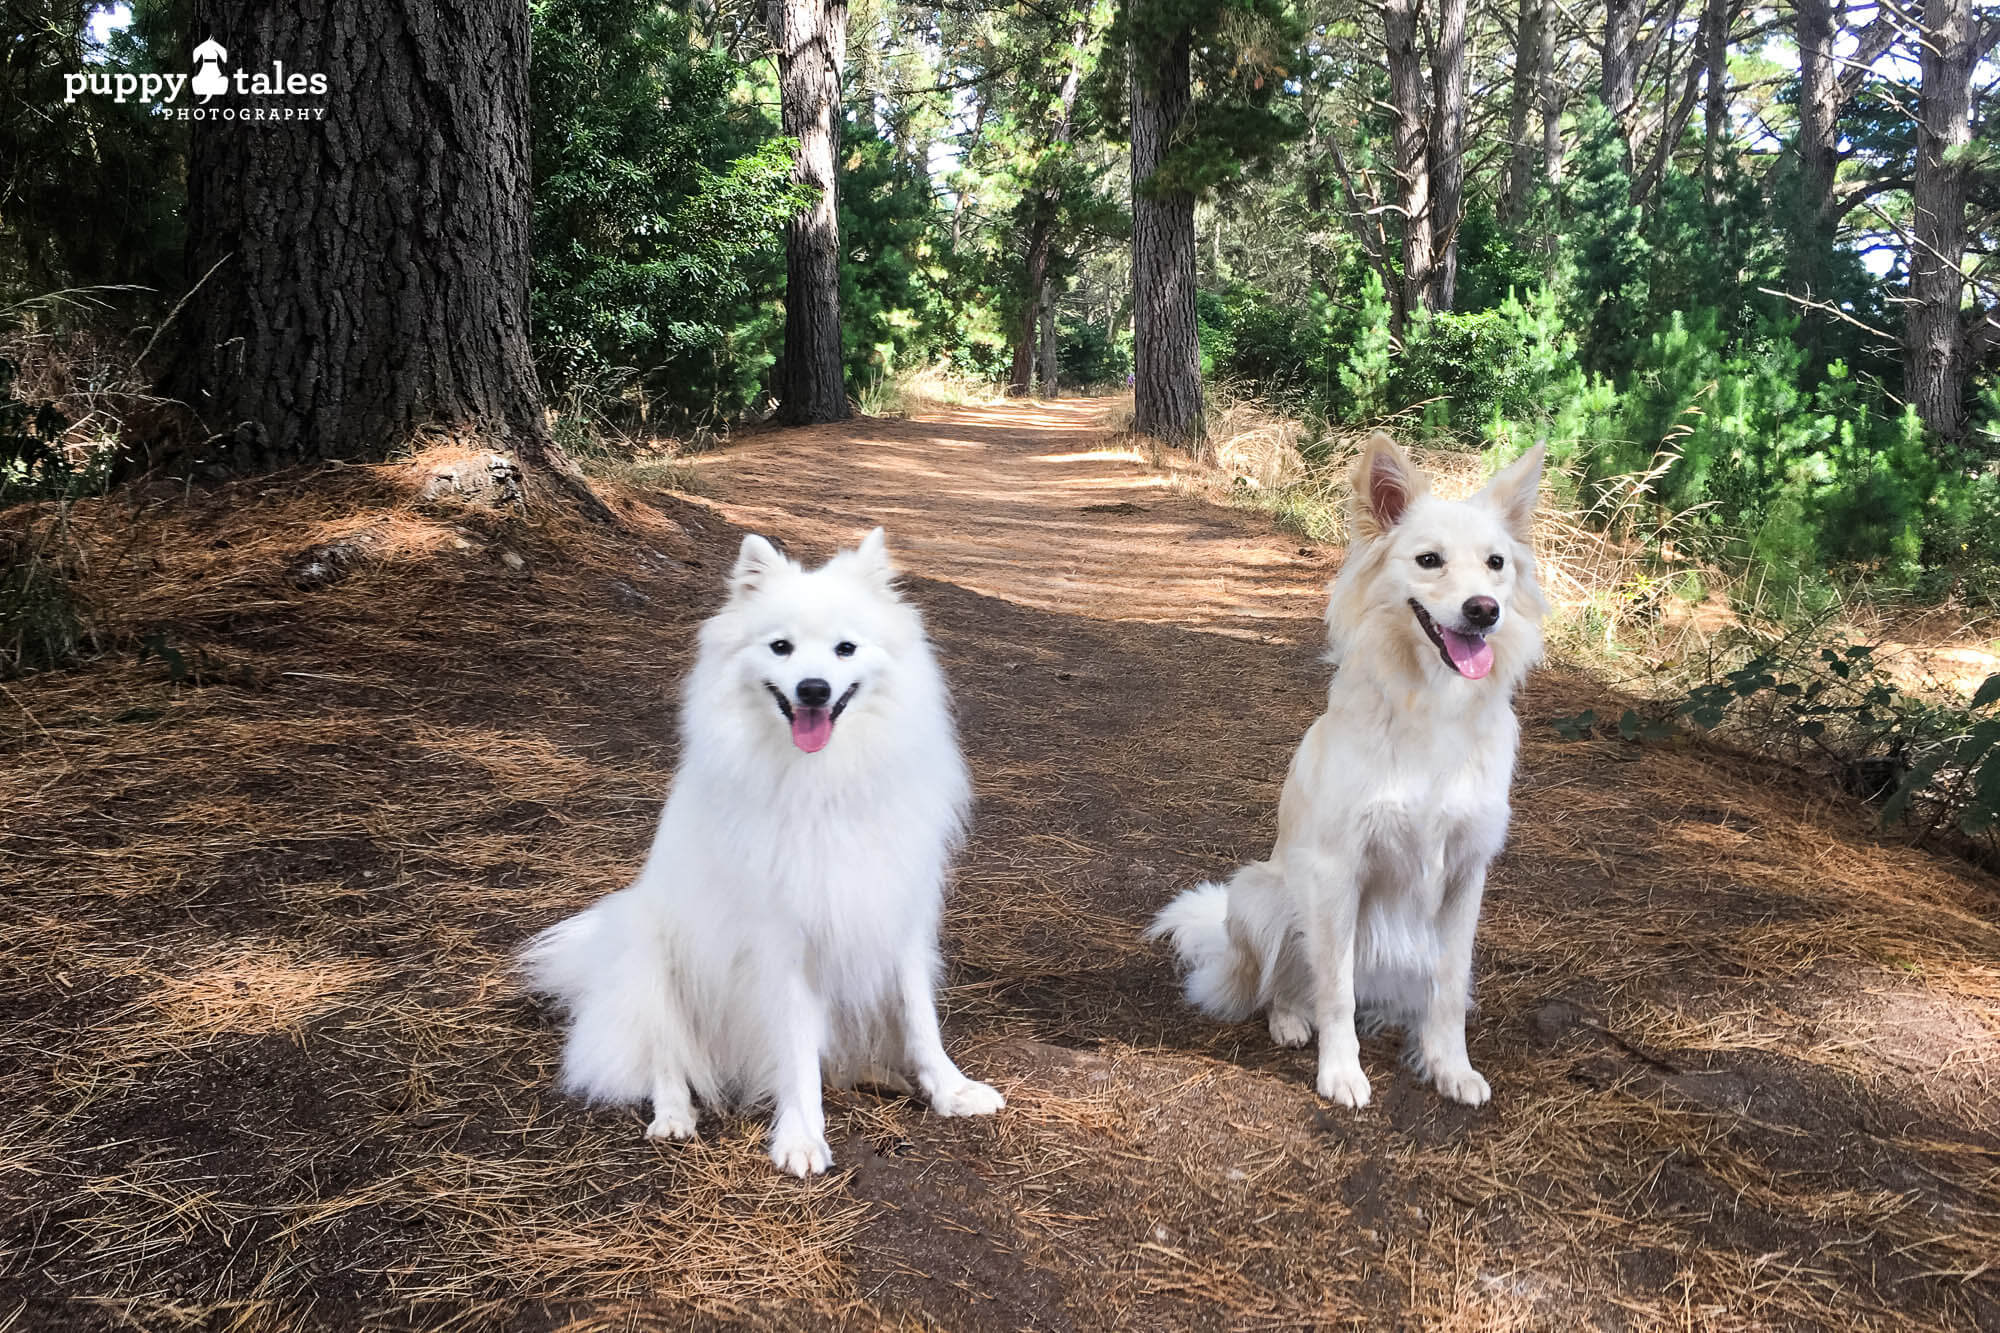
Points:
[[1397, 798], [787, 917]]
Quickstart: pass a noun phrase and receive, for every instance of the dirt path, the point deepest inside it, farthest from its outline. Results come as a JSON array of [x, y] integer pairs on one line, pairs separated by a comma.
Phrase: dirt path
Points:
[[1743, 1056]]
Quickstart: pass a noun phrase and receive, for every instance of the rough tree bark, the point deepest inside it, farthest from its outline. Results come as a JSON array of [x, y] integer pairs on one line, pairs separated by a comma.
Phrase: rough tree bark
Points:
[[1406, 98], [1618, 82], [1021, 380], [1446, 149], [365, 275], [1552, 104], [1519, 189], [1934, 362], [1048, 373], [1166, 343], [1715, 21], [1817, 150], [811, 38]]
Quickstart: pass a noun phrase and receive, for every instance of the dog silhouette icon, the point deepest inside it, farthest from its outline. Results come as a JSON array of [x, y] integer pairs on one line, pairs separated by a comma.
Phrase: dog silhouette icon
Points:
[[209, 80]]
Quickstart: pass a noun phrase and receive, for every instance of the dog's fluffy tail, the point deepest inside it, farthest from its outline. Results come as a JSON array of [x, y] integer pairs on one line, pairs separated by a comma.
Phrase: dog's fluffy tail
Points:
[[1228, 938], [608, 968]]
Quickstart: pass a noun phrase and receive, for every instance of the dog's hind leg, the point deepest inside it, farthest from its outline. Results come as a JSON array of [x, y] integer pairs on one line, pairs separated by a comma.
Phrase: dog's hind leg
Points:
[[1290, 1018], [673, 1107], [950, 1092], [1440, 1038]]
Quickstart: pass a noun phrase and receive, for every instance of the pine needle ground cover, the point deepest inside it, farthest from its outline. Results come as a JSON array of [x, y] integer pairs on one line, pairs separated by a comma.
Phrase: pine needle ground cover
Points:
[[267, 1068]]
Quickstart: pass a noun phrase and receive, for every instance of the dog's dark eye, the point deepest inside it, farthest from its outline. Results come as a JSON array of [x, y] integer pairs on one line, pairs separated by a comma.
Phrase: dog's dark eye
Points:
[[782, 647], [843, 649], [1430, 560], [1496, 562]]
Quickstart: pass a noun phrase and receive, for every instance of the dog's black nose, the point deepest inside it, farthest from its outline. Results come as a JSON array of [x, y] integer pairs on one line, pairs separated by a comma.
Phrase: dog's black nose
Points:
[[1479, 612], [816, 693]]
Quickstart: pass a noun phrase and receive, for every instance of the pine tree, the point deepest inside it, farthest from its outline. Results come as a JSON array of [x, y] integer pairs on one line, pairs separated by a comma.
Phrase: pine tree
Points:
[[1239, 53]]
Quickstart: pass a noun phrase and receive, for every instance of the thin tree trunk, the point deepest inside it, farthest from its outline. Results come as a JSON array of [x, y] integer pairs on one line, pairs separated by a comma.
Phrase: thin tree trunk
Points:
[[959, 197], [1715, 23], [363, 279], [1934, 363], [1406, 96], [811, 37], [1041, 238], [1552, 101], [1446, 143], [1817, 149], [1048, 375], [1166, 340], [1520, 189], [1021, 381]]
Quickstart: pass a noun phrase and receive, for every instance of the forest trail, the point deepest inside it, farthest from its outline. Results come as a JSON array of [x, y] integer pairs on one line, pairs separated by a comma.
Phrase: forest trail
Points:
[[257, 925], [1026, 502]]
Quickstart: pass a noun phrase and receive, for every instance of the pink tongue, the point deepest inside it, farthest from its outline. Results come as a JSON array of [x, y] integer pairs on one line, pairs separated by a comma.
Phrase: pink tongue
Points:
[[1472, 655], [812, 728]]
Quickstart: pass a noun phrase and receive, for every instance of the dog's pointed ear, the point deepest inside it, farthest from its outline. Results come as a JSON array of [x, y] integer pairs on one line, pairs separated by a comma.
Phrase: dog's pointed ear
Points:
[[1385, 482], [1514, 491], [756, 562], [871, 557]]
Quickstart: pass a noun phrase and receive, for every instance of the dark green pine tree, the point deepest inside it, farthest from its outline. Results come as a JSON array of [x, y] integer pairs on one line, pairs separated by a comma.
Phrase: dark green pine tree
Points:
[[1211, 97]]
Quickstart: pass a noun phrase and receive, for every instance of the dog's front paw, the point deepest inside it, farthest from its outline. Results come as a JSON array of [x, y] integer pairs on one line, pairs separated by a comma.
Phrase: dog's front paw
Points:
[[799, 1152], [673, 1123], [1344, 1084], [967, 1097], [1463, 1084], [1290, 1028]]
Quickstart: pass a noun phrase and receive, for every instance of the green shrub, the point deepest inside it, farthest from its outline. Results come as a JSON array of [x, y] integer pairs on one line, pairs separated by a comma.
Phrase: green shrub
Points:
[[1830, 704]]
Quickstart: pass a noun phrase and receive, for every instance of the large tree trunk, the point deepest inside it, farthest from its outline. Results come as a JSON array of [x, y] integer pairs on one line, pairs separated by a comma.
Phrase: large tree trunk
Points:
[[1934, 362], [1166, 349], [362, 276], [1446, 147], [811, 37], [1817, 150], [1618, 83], [1519, 190], [1406, 97]]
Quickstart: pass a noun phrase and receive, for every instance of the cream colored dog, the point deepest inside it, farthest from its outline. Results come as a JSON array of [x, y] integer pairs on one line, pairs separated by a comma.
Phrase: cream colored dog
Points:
[[1397, 798]]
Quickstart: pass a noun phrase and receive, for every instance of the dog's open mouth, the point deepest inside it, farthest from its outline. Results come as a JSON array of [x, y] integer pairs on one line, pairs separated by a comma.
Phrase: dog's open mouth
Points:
[[812, 728], [1467, 654]]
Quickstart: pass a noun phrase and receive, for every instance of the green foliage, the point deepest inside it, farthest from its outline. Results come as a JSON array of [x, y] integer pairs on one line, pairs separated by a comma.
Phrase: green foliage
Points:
[[1364, 373], [1242, 54], [1833, 704], [659, 203], [1089, 357], [39, 626], [1733, 437], [94, 190], [894, 313], [32, 461]]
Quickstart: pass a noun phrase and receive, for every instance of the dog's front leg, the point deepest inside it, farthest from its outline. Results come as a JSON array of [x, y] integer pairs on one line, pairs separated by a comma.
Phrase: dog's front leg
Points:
[[950, 1091], [798, 1130], [1331, 892], [1441, 1040]]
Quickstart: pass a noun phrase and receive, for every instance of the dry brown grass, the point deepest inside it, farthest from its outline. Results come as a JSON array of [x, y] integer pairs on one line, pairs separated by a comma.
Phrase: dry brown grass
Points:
[[254, 932]]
